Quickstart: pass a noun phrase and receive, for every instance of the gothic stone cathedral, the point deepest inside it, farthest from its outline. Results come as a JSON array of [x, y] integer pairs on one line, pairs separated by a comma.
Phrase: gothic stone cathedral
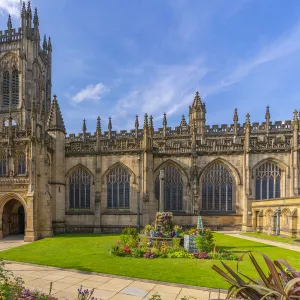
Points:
[[235, 176]]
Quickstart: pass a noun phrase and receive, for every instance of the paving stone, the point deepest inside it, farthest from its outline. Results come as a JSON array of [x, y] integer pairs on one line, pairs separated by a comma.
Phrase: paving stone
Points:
[[164, 296], [147, 286], [134, 292], [167, 289]]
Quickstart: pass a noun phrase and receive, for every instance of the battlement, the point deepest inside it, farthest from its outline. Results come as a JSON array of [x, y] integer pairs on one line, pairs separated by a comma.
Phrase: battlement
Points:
[[12, 35]]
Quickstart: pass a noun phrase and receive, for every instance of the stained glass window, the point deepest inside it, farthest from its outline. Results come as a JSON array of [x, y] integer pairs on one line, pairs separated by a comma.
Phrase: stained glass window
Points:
[[80, 189], [118, 188], [217, 189], [3, 164], [21, 163], [268, 178], [15, 87], [6, 88], [173, 189]]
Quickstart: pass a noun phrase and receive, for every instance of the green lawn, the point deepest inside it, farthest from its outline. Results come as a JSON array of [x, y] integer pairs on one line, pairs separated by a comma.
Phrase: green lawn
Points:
[[90, 253], [272, 237]]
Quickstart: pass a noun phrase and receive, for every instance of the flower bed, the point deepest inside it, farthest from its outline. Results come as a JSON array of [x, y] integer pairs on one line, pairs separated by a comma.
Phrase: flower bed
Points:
[[132, 244]]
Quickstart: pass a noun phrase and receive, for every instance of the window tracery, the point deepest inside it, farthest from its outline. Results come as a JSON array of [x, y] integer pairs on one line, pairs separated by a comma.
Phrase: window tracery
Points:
[[173, 188], [217, 189], [6, 83], [3, 164], [15, 87], [118, 188], [80, 189], [267, 182], [21, 163]]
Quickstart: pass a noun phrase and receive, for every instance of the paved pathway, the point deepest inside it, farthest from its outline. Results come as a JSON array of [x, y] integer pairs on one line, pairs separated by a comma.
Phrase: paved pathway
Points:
[[264, 241], [66, 282], [12, 241]]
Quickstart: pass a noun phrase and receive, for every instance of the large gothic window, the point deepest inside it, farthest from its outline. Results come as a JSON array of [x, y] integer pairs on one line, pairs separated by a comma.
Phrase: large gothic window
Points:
[[173, 189], [6, 88], [217, 186], [3, 164], [21, 163], [15, 87], [267, 181], [80, 189], [118, 188]]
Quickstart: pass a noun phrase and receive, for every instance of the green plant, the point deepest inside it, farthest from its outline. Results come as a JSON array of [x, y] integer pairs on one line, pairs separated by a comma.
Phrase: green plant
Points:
[[137, 252], [222, 254], [177, 228], [147, 229], [130, 231], [180, 254], [144, 242], [117, 250], [176, 242], [205, 242], [155, 297], [281, 283]]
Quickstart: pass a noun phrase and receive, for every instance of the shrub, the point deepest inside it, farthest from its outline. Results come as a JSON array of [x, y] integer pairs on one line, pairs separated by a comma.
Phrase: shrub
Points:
[[222, 254], [85, 294], [144, 242], [137, 253], [176, 242], [117, 250], [278, 283], [180, 254], [201, 255], [205, 242], [130, 231], [149, 254], [147, 229]]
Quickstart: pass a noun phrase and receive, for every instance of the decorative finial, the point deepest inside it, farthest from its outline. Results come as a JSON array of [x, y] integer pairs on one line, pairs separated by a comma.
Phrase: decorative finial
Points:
[[49, 44], [36, 18], [23, 12], [268, 113], [29, 13], [146, 121], [248, 118], [197, 100], [295, 115], [9, 24], [84, 126], [109, 124], [136, 122], [151, 123], [235, 116], [165, 120], [98, 127], [45, 43]]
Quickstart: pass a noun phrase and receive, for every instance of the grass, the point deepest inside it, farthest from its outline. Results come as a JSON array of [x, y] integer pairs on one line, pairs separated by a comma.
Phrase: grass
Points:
[[274, 238], [91, 253]]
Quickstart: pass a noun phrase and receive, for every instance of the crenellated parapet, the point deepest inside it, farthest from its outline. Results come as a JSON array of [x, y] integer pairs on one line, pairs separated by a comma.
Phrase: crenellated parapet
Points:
[[187, 138]]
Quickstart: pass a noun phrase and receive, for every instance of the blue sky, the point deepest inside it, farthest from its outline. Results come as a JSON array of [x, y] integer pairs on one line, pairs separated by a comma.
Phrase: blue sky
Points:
[[117, 58]]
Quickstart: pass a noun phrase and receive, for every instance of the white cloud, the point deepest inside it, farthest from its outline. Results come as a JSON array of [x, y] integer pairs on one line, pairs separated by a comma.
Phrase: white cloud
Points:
[[11, 7], [90, 92]]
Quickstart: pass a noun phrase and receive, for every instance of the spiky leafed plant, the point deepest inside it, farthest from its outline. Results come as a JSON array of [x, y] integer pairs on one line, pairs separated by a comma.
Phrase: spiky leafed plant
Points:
[[281, 283]]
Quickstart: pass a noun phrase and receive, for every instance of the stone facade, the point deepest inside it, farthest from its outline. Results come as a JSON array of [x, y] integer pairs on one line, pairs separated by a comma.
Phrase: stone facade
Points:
[[235, 176]]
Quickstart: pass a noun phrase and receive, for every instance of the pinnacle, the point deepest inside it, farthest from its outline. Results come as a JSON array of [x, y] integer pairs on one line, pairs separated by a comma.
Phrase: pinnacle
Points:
[[55, 120]]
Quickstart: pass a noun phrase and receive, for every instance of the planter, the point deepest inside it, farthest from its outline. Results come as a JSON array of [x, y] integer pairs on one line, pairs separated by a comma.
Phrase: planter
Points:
[[189, 243]]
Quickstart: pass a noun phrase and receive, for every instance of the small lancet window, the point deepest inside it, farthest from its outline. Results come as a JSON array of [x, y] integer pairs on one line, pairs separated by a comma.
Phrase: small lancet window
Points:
[[3, 164], [6, 84], [15, 87], [21, 163]]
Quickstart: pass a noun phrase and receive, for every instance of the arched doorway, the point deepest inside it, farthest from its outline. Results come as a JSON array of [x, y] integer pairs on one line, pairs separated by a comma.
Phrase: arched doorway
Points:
[[13, 218]]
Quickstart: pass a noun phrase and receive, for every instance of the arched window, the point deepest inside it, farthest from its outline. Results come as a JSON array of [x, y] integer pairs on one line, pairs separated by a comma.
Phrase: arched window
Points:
[[21, 163], [217, 185], [15, 87], [6, 88], [118, 188], [80, 189], [267, 181], [173, 189], [3, 164]]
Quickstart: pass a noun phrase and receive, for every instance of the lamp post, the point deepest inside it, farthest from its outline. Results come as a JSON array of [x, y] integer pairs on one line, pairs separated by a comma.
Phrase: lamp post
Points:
[[138, 196], [278, 213], [161, 190]]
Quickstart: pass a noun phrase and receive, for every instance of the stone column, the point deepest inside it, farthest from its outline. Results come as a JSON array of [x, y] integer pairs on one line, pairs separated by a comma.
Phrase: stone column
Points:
[[161, 190]]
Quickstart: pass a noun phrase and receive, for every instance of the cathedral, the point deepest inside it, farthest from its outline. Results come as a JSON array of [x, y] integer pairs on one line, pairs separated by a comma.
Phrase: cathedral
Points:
[[241, 176]]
